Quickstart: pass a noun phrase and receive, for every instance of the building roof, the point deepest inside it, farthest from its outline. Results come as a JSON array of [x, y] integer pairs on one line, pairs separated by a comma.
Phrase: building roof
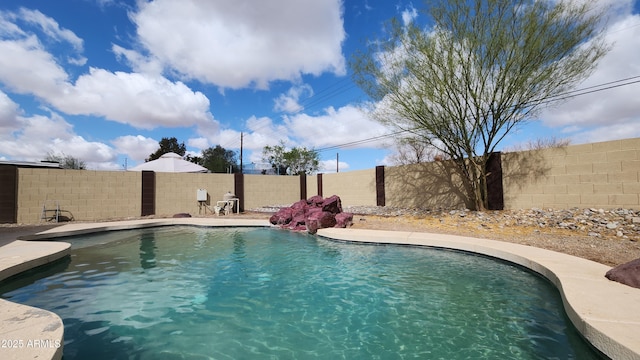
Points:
[[41, 164]]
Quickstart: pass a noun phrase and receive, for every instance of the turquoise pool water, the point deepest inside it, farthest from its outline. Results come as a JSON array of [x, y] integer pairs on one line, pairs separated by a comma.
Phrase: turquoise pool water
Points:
[[256, 293]]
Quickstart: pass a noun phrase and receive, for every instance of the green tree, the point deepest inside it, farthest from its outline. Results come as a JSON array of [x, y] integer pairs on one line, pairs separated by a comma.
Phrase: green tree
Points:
[[298, 160], [219, 160], [274, 155], [483, 68], [168, 145], [66, 161], [194, 159]]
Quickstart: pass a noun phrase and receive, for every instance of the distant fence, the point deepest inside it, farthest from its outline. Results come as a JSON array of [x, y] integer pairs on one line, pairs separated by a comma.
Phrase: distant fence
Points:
[[600, 175]]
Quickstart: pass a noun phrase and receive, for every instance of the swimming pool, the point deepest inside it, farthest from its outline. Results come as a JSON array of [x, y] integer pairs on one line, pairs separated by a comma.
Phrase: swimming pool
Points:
[[255, 293]]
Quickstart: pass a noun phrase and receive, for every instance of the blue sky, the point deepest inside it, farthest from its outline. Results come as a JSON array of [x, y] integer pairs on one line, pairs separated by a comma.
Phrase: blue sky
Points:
[[105, 80]]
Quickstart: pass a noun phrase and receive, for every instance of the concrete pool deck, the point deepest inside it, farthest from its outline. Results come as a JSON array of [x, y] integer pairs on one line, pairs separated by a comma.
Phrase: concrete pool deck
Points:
[[605, 312]]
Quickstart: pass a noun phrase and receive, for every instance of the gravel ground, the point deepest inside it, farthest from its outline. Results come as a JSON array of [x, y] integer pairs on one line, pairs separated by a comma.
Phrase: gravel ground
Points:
[[610, 237]]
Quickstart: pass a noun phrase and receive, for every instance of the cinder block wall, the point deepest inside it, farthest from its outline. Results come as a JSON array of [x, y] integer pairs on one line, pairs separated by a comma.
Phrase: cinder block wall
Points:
[[429, 185], [312, 185], [82, 195], [354, 187], [264, 190], [176, 192], [600, 175]]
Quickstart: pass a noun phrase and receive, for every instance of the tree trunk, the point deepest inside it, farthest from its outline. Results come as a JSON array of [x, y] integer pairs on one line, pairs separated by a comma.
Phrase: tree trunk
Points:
[[479, 183]]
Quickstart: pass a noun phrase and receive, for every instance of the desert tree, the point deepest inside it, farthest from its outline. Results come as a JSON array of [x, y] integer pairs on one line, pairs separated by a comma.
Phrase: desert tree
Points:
[[549, 142], [296, 161], [477, 71], [412, 150], [66, 161]]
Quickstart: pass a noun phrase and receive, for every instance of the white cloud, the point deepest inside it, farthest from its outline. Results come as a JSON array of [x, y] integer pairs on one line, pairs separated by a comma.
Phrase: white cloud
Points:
[[8, 114], [137, 147], [606, 132], [200, 143], [408, 15], [263, 132], [8, 27], [137, 61], [142, 100], [334, 127], [289, 102], [609, 110], [613, 10], [38, 135], [78, 61], [90, 151], [329, 166], [25, 67], [244, 42], [106, 3], [31, 138], [50, 27]]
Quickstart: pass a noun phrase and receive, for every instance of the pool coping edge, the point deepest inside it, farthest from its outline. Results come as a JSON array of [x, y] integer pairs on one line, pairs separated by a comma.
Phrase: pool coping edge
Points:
[[603, 311]]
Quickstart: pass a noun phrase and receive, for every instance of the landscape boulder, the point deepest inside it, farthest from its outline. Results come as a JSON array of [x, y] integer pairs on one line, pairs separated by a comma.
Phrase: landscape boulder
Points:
[[282, 217], [312, 214], [344, 220], [332, 204], [628, 273]]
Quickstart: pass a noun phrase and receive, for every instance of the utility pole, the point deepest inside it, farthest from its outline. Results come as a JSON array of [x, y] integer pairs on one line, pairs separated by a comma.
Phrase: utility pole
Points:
[[337, 162], [241, 145]]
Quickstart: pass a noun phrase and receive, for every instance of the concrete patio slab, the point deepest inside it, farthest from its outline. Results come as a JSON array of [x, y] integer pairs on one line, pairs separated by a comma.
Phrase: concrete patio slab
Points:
[[27, 332]]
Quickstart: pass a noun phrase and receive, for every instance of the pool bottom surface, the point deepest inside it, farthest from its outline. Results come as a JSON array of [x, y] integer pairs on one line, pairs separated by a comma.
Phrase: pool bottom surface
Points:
[[197, 293]]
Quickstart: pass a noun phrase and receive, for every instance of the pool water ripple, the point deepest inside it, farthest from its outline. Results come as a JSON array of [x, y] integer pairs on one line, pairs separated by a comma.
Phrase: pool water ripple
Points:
[[200, 293]]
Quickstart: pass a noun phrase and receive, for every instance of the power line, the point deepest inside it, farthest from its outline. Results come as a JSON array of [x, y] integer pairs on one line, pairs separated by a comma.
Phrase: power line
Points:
[[593, 89], [560, 97], [327, 93], [360, 142]]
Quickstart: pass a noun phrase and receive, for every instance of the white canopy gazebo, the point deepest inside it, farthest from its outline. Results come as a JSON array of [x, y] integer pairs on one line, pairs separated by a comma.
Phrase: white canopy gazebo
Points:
[[170, 162]]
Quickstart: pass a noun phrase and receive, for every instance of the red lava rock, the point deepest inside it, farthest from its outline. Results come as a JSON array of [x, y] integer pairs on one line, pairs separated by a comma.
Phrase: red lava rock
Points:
[[315, 200], [332, 204], [344, 220], [302, 204], [627, 273], [312, 226], [319, 220], [313, 214], [282, 217]]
